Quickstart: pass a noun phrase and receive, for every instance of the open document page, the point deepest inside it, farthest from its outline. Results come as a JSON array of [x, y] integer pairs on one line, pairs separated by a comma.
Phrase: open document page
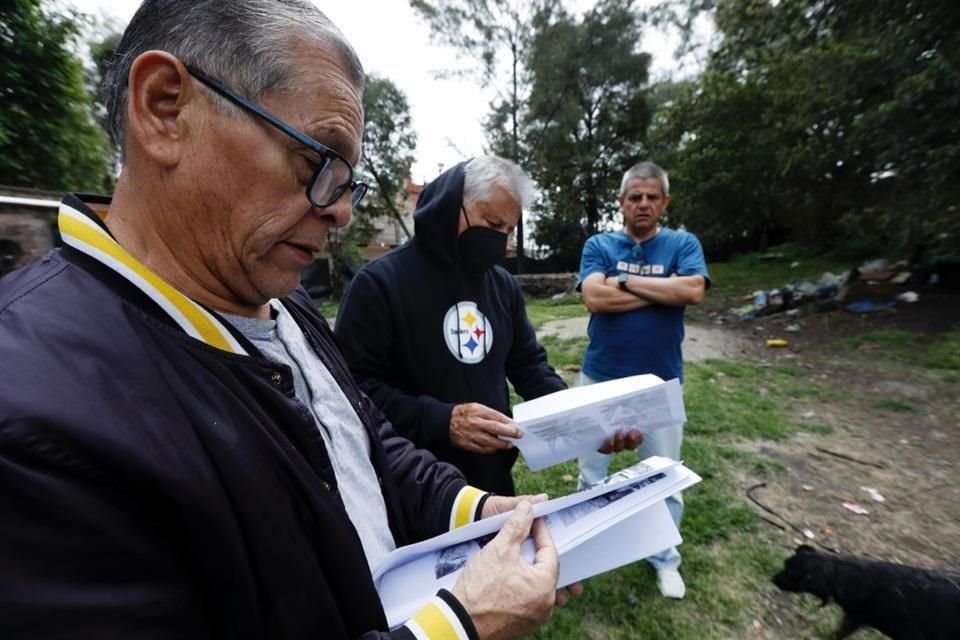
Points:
[[565, 424], [616, 522]]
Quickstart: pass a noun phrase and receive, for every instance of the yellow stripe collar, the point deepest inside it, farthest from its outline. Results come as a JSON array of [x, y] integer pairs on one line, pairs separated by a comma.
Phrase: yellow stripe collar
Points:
[[82, 230]]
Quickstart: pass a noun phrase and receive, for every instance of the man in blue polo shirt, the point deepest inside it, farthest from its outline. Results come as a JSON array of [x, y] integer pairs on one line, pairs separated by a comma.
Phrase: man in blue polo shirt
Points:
[[636, 284]]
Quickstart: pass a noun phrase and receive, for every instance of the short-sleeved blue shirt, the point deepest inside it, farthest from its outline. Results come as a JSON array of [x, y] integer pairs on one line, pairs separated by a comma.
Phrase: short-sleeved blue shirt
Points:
[[645, 340]]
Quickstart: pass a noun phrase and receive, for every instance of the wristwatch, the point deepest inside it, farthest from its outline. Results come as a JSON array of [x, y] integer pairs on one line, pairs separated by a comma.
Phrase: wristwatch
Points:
[[622, 282]]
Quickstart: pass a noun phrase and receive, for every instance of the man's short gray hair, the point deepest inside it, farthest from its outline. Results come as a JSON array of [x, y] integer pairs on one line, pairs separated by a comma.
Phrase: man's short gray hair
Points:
[[246, 44], [482, 173], [645, 171]]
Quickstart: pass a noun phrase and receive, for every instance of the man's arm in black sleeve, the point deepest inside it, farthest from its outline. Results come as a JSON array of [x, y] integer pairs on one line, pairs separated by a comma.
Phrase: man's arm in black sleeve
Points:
[[365, 333], [527, 366]]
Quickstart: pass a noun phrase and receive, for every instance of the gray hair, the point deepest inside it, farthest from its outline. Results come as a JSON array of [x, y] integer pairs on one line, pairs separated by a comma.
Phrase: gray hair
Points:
[[246, 44], [482, 173], [645, 171]]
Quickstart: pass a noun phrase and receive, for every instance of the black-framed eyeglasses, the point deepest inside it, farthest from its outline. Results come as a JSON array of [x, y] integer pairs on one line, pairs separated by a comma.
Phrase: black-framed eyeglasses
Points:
[[333, 175]]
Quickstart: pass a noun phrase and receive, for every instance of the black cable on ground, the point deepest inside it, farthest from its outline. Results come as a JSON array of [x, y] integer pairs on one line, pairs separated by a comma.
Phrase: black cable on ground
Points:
[[775, 514]]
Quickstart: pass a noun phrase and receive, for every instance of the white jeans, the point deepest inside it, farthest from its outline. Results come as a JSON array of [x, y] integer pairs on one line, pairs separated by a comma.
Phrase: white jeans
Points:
[[662, 442]]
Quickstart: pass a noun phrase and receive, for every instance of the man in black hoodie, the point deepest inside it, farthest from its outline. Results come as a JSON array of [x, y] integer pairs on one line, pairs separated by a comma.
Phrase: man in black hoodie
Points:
[[433, 330]]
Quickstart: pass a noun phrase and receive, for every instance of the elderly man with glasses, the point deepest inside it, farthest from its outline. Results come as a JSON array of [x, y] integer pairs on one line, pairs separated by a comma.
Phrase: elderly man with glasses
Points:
[[183, 453]]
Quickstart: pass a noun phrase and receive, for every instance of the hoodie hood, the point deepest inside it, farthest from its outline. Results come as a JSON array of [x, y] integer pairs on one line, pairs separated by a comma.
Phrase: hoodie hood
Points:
[[437, 215]]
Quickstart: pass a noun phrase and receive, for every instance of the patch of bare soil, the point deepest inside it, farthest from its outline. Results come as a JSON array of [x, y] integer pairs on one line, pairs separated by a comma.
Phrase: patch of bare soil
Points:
[[701, 343], [894, 429]]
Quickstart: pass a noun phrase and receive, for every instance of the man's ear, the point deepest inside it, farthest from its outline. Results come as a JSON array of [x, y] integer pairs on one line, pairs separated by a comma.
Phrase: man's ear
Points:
[[159, 87]]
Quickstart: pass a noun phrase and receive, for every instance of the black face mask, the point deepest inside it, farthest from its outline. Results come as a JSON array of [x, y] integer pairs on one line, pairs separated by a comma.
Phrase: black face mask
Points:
[[480, 248]]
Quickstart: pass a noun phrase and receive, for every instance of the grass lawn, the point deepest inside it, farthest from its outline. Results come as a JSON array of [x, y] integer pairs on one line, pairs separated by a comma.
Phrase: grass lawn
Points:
[[728, 557], [729, 553], [943, 353], [540, 311]]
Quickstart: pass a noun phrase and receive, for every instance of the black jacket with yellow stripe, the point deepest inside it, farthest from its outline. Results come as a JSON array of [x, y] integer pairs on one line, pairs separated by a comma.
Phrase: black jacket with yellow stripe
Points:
[[155, 486]]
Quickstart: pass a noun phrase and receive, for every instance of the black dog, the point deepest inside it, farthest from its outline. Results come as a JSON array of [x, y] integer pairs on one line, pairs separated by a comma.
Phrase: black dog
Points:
[[905, 603]]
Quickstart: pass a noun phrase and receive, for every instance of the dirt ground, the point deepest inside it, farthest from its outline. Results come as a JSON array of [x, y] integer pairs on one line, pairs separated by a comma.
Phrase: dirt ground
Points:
[[907, 457]]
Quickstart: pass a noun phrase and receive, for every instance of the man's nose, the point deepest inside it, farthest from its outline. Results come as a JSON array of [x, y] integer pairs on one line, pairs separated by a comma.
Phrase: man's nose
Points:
[[340, 212]]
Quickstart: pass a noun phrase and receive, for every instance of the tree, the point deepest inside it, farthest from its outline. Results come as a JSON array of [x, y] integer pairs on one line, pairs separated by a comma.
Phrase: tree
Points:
[[587, 118], [102, 49], [494, 32], [829, 120], [389, 143], [49, 138], [388, 146], [723, 176]]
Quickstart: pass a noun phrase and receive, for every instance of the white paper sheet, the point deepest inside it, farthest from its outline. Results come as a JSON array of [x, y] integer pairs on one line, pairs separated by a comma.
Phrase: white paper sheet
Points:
[[564, 424], [637, 472], [607, 526], [638, 536]]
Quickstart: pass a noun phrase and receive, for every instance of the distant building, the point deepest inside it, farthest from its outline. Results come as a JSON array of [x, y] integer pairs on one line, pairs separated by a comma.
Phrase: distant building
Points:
[[388, 231]]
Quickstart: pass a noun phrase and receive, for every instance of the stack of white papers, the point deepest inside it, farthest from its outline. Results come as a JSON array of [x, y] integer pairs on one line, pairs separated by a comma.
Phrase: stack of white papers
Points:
[[619, 521], [565, 424]]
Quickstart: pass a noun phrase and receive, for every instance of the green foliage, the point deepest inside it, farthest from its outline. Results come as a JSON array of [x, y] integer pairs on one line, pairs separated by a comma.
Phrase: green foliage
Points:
[[587, 118], [825, 121], [388, 146], [49, 138], [101, 53], [571, 106], [495, 33]]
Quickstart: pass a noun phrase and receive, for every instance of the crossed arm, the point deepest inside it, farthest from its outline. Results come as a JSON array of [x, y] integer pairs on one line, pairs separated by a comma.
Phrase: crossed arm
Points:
[[601, 294]]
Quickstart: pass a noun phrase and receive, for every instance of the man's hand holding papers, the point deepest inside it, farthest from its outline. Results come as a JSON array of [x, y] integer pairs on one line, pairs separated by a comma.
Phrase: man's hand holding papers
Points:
[[600, 528], [495, 505], [480, 429], [562, 425], [622, 441], [498, 579]]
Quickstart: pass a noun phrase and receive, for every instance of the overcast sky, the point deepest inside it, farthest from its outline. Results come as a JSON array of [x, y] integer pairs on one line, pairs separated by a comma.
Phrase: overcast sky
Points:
[[392, 42]]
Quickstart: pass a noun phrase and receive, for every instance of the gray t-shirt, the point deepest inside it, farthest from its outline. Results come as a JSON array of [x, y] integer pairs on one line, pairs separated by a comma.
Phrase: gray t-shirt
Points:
[[282, 341]]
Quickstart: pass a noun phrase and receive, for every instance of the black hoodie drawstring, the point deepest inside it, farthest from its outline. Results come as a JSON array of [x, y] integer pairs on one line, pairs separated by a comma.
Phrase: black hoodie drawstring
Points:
[[456, 283], [459, 342]]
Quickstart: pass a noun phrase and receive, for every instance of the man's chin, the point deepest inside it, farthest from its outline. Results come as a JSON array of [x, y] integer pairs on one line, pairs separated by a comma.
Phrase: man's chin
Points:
[[280, 286]]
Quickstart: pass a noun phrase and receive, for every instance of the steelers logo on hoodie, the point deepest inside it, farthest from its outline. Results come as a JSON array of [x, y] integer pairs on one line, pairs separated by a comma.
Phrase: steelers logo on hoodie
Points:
[[468, 335]]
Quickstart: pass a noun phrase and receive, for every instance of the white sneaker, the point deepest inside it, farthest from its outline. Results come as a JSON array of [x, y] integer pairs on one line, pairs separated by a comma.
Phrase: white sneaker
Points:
[[671, 584]]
